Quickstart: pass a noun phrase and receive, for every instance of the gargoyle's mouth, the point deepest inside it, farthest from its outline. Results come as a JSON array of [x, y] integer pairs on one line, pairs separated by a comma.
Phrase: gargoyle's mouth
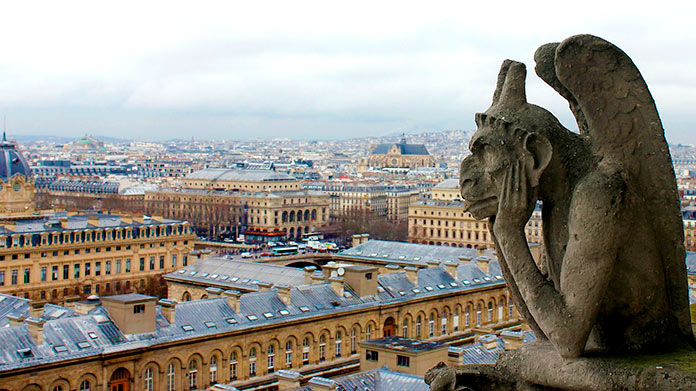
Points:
[[472, 206]]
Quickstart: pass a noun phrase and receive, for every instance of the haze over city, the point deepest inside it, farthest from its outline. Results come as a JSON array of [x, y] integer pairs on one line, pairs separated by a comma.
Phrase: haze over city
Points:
[[308, 70]]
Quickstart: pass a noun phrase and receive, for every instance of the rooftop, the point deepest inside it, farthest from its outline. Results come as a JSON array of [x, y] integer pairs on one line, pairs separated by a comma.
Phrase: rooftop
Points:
[[381, 379], [241, 175], [78, 222], [405, 344]]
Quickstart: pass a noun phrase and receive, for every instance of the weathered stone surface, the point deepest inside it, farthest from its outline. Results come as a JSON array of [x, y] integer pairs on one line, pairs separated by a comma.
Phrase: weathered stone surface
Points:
[[612, 278]]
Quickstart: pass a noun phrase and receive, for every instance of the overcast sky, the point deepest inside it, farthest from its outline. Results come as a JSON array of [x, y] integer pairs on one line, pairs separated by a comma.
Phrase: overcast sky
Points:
[[311, 70]]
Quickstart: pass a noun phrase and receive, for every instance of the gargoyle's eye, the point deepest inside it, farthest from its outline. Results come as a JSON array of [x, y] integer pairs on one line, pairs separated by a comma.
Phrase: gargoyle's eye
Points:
[[488, 155]]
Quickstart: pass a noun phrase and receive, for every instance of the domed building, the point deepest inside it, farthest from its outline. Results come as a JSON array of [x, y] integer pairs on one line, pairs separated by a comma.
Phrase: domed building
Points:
[[88, 143], [17, 188]]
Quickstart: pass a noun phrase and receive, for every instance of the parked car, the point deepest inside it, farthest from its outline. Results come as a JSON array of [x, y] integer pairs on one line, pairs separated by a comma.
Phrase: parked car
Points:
[[246, 255]]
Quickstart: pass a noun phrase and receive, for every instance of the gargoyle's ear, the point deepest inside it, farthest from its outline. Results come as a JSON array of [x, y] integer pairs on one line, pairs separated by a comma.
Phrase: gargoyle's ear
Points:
[[540, 152]]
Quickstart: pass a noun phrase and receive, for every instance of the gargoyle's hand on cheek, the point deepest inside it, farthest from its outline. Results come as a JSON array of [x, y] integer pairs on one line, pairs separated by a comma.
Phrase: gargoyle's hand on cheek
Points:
[[514, 207]]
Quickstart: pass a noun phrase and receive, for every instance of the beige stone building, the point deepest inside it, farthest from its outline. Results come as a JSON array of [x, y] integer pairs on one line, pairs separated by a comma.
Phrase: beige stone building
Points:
[[407, 355], [400, 155], [441, 220], [241, 180], [244, 339], [65, 255], [16, 186], [398, 200]]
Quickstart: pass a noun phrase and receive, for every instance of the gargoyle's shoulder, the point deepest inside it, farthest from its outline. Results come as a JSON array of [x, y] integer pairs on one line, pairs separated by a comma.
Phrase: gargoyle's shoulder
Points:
[[605, 184]]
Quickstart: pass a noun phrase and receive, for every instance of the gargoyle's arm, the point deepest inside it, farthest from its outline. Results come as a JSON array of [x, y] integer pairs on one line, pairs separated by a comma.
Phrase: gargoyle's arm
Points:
[[567, 317]]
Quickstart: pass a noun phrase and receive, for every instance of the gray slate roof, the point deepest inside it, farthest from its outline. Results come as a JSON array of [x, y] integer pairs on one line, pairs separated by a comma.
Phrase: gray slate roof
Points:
[[406, 149], [241, 175], [381, 379], [410, 252]]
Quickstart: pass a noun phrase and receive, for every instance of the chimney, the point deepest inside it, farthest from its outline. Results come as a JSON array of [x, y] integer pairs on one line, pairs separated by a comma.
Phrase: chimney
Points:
[[264, 286], [233, 299], [364, 238], [465, 259], [36, 329], [288, 380], [392, 268], [433, 263], [451, 268], [318, 278], [83, 307], [213, 292], [356, 239], [319, 383], [69, 301], [512, 339], [93, 220], [36, 308], [412, 274], [337, 285], [284, 293], [489, 341], [482, 263], [64, 223], [481, 251], [308, 271], [168, 308], [16, 320]]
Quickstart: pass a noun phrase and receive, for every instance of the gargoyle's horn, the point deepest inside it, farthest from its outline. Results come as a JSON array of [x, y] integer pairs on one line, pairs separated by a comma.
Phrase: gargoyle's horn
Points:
[[513, 90], [501, 80]]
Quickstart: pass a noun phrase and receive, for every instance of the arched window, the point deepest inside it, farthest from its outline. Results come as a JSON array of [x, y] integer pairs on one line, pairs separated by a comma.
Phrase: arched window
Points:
[[353, 341], [305, 351], [490, 311], [85, 386], [148, 379], [455, 320], [467, 316], [443, 323], [418, 326], [431, 325], [405, 329], [171, 377], [213, 369], [501, 309], [186, 297], [322, 348], [192, 374], [58, 388], [252, 362], [511, 308], [478, 315], [233, 366], [288, 354], [368, 332], [271, 358], [338, 344]]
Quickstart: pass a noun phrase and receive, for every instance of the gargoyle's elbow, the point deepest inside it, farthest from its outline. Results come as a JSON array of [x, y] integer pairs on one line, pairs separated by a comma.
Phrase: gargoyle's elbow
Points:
[[568, 351]]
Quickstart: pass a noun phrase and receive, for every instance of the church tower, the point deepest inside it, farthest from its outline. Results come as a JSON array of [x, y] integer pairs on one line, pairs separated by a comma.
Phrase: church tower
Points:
[[17, 188]]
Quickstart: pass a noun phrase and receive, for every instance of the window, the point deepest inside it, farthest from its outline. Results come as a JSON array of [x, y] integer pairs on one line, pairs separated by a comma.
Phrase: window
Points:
[[371, 355], [171, 377], [288, 354], [14, 276], [152, 263], [193, 372], [305, 351], [139, 308], [338, 344], [455, 320], [271, 358], [97, 268], [403, 361], [443, 324], [128, 265], [405, 329], [142, 264], [87, 265], [185, 259], [322, 348], [54, 273], [353, 338], [174, 261], [368, 276], [58, 388], [233, 366], [161, 262], [2, 278], [418, 326], [85, 386], [213, 369], [252, 362], [76, 270], [368, 333], [478, 315], [107, 271], [490, 311], [27, 275], [66, 272], [148, 379], [431, 325], [44, 273]]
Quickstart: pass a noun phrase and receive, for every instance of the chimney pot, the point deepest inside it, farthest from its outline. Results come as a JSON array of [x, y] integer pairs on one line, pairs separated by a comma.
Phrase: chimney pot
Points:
[[36, 329], [284, 293], [168, 309], [412, 274], [233, 299]]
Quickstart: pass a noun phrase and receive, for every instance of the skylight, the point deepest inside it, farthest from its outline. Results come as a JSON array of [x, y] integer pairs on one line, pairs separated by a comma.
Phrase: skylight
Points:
[[209, 324], [224, 277], [252, 317], [466, 282], [83, 345], [182, 271], [187, 327], [487, 278], [268, 315], [25, 353], [402, 293], [284, 312], [441, 286], [453, 284], [214, 276], [477, 280], [304, 308], [234, 279], [416, 290], [429, 288], [92, 335], [60, 349], [193, 273], [204, 274], [231, 320]]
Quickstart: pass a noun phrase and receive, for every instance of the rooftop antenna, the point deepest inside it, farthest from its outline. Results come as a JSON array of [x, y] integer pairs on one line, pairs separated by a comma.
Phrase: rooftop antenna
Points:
[[4, 127]]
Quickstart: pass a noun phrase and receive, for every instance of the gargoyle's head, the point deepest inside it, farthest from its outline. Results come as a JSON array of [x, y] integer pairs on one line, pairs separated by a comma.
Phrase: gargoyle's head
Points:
[[509, 131]]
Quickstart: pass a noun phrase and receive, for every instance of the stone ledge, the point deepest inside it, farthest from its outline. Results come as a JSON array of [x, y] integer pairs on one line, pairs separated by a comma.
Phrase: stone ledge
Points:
[[537, 366]]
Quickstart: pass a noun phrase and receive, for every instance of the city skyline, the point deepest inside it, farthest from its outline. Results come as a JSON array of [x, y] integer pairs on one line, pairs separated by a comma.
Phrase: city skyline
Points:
[[307, 71]]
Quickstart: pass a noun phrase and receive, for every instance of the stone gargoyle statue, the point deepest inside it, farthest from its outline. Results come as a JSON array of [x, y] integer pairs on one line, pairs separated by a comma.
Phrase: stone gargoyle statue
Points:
[[612, 277]]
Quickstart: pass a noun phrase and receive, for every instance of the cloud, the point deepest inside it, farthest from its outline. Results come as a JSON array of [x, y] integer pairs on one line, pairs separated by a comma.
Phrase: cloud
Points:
[[316, 69]]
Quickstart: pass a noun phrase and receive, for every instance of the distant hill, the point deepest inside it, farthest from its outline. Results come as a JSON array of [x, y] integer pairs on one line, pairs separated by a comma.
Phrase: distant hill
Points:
[[28, 138]]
